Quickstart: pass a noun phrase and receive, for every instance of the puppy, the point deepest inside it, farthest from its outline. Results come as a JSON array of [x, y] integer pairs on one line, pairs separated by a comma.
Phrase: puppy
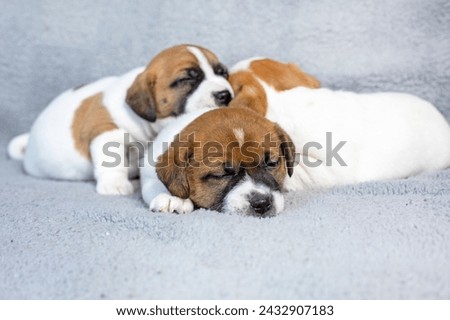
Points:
[[343, 137], [227, 159], [68, 139]]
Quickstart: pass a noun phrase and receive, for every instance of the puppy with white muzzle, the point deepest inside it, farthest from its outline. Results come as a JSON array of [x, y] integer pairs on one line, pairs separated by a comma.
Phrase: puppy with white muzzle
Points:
[[230, 160], [68, 138]]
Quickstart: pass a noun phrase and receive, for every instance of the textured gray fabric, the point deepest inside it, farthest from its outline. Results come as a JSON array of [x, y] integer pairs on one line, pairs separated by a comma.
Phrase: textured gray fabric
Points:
[[377, 240]]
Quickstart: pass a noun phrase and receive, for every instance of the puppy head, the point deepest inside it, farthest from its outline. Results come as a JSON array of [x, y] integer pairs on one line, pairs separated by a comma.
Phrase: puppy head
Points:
[[180, 79], [247, 77], [229, 160]]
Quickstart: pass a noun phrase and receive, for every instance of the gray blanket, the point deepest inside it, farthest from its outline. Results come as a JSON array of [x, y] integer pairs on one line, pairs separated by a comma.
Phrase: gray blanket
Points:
[[381, 240]]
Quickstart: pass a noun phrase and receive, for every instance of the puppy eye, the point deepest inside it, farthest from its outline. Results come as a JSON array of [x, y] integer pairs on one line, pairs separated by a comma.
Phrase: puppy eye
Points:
[[214, 176], [228, 173], [194, 73], [270, 163], [220, 70], [192, 76]]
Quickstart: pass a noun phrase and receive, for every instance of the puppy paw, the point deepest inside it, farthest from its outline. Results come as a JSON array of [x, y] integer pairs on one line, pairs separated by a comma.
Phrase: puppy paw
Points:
[[115, 187], [166, 203]]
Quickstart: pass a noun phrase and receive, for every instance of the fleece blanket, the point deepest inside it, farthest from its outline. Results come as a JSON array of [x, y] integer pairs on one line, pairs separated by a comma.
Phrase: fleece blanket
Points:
[[380, 240]]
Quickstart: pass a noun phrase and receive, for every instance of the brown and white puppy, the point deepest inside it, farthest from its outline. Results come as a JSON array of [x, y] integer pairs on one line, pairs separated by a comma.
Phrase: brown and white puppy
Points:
[[251, 77], [226, 159], [343, 137], [68, 138]]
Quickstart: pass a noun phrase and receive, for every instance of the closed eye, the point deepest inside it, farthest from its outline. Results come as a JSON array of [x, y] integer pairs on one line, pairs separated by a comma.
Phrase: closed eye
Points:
[[190, 76], [270, 163], [179, 82], [224, 175], [227, 173], [221, 70]]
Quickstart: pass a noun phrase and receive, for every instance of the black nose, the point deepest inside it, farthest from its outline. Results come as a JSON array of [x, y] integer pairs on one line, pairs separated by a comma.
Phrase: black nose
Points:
[[261, 203], [222, 98]]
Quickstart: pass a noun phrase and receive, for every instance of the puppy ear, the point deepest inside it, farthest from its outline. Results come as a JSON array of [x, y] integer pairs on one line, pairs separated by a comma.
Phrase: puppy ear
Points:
[[287, 149], [140, 98], [171, 168]]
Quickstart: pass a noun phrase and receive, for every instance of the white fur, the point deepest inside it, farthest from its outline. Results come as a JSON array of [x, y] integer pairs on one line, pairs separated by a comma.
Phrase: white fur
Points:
[[166, 203], [16, 147], [389, 135], [203, 96], [112, 180], [240, 135], [50, 150], [237, 200]]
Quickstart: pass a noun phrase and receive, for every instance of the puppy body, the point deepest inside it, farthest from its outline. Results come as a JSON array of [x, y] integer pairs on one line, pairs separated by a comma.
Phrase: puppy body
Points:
[[386, 135], [69, 138]]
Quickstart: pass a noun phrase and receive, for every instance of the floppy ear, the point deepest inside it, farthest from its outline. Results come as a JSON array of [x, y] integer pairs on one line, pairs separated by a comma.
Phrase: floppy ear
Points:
[[248, 93], [287, 149], [140, 98], [171, 168], [305, 79]]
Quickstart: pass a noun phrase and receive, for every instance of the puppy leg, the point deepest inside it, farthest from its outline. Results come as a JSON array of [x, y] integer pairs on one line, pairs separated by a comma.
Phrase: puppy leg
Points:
[[108, 153], [164, 202]]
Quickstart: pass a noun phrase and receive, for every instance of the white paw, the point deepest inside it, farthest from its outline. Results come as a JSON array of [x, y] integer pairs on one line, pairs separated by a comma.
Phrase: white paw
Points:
[[114, 187], [166, 203]]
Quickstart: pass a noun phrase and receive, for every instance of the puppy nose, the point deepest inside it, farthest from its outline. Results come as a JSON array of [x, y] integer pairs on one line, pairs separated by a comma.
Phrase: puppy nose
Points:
[[261, 203], [222, 98]]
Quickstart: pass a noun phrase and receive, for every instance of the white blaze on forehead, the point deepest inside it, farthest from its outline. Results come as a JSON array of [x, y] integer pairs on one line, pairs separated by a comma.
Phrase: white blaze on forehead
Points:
[[239, 134], [204, 95], [202, 61]]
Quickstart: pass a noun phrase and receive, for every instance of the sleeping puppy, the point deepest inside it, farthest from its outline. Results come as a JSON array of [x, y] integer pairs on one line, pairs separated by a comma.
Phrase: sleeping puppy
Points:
[[227, 160], [343, 137], [339, 138], [68, 139]]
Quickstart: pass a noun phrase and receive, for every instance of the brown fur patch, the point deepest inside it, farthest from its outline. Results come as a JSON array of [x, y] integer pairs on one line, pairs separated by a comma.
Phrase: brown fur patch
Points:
[[183, 168], [91, 119], [249, 93], [151, 95], [282, 76]]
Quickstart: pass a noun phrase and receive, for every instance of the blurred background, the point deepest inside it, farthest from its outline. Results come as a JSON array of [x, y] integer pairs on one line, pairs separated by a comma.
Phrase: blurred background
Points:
[[48, 46]]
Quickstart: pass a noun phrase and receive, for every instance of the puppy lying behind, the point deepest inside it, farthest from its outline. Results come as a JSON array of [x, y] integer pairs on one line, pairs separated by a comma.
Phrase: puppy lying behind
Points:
[[67, 139], [377, 135], [226, 159]]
